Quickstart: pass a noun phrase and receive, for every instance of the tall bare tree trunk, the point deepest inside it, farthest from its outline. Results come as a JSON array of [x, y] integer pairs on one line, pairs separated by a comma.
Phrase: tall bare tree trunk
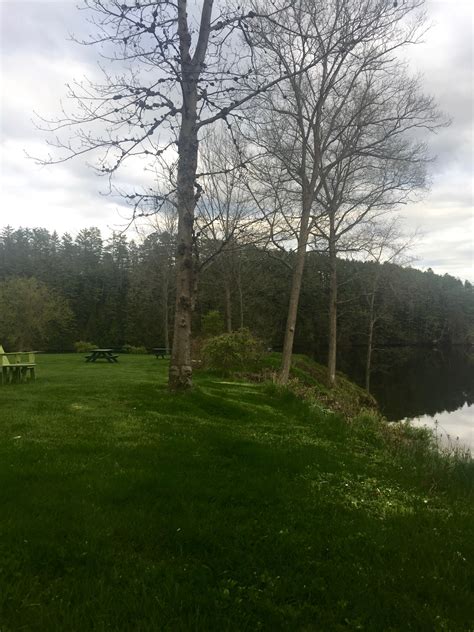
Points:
[[295, 291], [228, 306], [241, 298], [180, 372], [166, 328], [332, 307], [368, 364], [370, 339]]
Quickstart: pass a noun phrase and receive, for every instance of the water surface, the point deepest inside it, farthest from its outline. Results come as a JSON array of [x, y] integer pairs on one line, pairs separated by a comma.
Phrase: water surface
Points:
[[453, 429], [432, 387]]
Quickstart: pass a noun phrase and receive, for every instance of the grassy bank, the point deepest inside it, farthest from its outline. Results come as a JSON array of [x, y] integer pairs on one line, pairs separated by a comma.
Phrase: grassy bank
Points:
[[235, 507]]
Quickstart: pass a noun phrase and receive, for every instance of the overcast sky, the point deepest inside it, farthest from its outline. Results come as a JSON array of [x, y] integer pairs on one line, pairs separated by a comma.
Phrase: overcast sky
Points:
[[38, 60]]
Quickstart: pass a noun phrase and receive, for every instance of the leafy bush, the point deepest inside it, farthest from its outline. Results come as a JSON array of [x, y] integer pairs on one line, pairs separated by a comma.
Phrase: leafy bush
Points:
[[236, 351], [212, 324], [83, 347], [133, 349]]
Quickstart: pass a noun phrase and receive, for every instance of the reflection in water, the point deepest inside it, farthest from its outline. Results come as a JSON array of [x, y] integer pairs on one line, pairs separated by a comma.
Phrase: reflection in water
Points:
[[452, 428], [428, 384]]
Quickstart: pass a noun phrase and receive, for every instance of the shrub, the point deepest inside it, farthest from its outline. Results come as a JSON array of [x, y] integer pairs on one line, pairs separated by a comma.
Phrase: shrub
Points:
[[133, 349], [212, 324], [83, 347], [236, 351]]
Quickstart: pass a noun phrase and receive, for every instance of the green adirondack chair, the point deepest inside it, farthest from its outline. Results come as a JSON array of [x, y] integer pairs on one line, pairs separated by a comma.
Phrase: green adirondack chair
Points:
[[17, 366]]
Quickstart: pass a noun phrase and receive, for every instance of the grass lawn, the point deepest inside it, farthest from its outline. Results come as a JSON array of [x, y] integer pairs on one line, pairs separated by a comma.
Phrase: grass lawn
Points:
[[236, 507]]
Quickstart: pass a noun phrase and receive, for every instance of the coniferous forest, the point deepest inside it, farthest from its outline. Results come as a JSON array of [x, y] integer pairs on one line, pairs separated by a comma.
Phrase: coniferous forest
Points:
[[120, 291]]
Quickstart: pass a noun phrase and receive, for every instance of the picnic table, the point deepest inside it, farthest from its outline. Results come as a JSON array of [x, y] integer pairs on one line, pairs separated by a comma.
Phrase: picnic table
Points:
[[105, 354], [160, 352]]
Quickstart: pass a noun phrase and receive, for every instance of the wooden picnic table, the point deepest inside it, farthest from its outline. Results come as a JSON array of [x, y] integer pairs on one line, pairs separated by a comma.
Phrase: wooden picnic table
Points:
[[160, 352], [105, 354]]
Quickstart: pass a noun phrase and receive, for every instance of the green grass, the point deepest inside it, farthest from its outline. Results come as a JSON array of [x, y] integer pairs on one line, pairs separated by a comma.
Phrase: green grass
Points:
[[236, 507]]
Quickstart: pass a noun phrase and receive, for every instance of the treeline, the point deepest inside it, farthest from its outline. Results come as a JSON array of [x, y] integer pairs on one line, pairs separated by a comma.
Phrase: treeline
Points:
[[115, 291]]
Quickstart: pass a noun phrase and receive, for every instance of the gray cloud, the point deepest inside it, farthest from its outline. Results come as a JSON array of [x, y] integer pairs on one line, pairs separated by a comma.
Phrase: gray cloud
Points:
[[38, 59], [43, 28], [445, 61]]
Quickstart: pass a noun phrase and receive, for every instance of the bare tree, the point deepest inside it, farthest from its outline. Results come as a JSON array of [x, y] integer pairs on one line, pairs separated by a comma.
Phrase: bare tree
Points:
[[316, 126], [179, 71], [372, 162], [385, 243], [226, 218], [285, 130]]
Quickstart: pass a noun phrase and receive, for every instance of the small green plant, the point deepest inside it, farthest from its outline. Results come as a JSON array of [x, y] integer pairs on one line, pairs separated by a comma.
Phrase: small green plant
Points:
[[133, 349], [83, 347], [212, 324], [236, 351]]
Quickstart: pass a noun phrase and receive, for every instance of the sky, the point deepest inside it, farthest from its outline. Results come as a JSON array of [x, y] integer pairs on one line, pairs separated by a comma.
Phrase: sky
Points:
[[38, 58]]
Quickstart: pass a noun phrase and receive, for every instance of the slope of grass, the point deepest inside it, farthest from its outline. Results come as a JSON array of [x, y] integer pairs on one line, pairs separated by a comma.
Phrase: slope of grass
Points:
[[236, 507], [309, 380]]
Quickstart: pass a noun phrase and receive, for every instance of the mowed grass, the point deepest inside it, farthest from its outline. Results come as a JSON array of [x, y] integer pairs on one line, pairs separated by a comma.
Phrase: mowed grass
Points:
[[235, 507]]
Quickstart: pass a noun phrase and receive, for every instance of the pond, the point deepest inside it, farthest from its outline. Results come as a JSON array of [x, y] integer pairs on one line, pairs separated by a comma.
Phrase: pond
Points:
[[432, 387]]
